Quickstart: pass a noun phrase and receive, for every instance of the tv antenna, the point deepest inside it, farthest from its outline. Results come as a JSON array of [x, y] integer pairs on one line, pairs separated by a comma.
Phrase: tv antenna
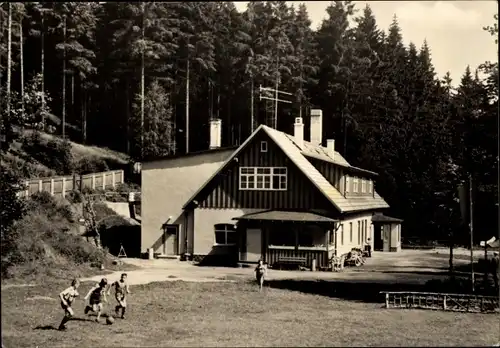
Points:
[[267, 94]]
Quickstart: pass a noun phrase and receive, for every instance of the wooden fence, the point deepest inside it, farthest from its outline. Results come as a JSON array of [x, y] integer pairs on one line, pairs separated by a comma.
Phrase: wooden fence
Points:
[[62, 185], [440, 301]]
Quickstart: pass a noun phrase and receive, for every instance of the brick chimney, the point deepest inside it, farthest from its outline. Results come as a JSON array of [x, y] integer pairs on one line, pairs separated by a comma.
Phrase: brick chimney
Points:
[[215, 133], [298, 132], [330, 146], [316, 126]]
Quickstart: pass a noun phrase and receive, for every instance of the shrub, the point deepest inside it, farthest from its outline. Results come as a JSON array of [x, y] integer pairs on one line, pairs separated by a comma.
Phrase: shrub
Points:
[[59, 156], [39, 239], [75, 197], [34, 144], [55, 154], [89, 165]]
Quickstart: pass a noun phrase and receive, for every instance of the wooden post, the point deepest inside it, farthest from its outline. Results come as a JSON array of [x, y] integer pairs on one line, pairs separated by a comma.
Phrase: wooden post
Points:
[[27, 183], [386, 300], [444, 302], [93, 181], [103, 180], [63, 186], [52, 186], [40, 185], [113, 179]]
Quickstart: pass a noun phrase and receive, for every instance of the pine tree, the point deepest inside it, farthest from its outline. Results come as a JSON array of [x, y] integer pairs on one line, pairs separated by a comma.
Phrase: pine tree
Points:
[[335, 50], [306, 64]]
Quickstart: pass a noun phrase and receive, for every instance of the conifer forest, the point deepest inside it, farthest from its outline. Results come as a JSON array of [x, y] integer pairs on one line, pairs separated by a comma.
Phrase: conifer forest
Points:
[[145, 78]]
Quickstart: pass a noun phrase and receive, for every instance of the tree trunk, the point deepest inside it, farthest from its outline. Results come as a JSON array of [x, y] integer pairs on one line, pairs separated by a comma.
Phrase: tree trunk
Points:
[[218, 100], [451, 270], [187, 102], [233, 133], [142, 83], [300, 95], [64, 84], [84, 118], [252, 121], [42, 39], [22, 64], [127, 113], [9, 57]]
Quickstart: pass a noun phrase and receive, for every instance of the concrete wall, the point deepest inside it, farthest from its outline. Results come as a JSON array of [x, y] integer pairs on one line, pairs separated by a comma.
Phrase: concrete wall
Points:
[[347, 245], [204, 231], [166, 187]]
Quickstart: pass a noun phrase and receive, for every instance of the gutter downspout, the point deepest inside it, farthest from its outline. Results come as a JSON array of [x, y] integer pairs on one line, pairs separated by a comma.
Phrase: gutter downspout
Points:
[[186, 252], [335, 234]]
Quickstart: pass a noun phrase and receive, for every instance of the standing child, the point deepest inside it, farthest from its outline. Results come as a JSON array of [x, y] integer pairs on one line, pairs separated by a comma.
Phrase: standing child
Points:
[[121, 291], [260, 272], [97, 297], [67, 297]]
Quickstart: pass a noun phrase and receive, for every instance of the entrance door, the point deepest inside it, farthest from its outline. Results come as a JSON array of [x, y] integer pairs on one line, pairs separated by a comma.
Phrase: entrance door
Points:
[[171, 240], [254, 244], [378, 241], [387, 237]]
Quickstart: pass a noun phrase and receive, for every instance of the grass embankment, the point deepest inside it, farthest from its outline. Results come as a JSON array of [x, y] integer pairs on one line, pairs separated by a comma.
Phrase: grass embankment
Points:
[[34, 156], [47, 244], [184, 314]]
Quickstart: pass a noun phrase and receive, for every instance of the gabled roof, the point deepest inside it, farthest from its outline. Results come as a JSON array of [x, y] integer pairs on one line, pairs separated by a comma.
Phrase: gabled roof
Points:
[[297, 155], [284, 215], [384, 218]]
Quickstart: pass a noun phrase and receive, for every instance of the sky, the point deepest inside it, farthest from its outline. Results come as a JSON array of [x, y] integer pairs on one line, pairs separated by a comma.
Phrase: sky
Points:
[[453, 29]]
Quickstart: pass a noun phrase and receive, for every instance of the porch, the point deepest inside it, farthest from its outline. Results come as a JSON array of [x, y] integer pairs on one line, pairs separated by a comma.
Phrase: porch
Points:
[[287, 237], [387, 233]]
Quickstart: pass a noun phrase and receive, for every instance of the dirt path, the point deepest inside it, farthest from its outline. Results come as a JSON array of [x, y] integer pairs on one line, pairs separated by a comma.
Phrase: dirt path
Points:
[[410, 266]]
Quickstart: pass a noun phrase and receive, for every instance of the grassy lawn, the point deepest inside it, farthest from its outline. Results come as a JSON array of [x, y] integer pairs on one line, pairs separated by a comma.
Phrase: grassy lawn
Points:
[[234, 314]]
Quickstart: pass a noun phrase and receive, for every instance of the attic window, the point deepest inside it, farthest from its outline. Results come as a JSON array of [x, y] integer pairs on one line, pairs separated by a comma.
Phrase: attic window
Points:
[[263, 146]]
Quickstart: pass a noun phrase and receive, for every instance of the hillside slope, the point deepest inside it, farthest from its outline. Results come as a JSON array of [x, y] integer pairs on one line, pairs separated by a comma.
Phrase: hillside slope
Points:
[[32, 166]]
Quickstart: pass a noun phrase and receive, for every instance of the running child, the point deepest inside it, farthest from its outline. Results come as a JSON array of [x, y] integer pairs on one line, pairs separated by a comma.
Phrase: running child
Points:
[[121, 291], [260, 272], [67, 297], [97, 297]]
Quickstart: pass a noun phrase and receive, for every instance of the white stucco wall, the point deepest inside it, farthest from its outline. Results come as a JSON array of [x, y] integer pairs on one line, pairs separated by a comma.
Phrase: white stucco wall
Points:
[[347, 244], [204, 231], [166, 186]]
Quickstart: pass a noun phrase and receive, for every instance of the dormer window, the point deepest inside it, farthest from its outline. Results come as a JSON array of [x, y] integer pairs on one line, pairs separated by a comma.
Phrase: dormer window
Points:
[[263, 146]]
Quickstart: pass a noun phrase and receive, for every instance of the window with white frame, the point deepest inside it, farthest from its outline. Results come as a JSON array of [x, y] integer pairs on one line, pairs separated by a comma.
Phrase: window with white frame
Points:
[[363, 185], [368, 186], [225, 234], [263, 178], [355, 185], [263, 146], [347, 183]]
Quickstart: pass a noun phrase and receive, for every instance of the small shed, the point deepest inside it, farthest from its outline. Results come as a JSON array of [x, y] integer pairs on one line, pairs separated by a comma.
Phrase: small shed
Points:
[[386, 233]]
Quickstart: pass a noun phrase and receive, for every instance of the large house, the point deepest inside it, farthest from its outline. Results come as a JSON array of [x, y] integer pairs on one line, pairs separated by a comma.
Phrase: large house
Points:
[[274, 196]]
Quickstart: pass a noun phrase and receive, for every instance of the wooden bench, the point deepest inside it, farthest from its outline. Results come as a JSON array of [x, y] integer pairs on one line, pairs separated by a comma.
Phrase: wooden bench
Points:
[[292, 261]]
